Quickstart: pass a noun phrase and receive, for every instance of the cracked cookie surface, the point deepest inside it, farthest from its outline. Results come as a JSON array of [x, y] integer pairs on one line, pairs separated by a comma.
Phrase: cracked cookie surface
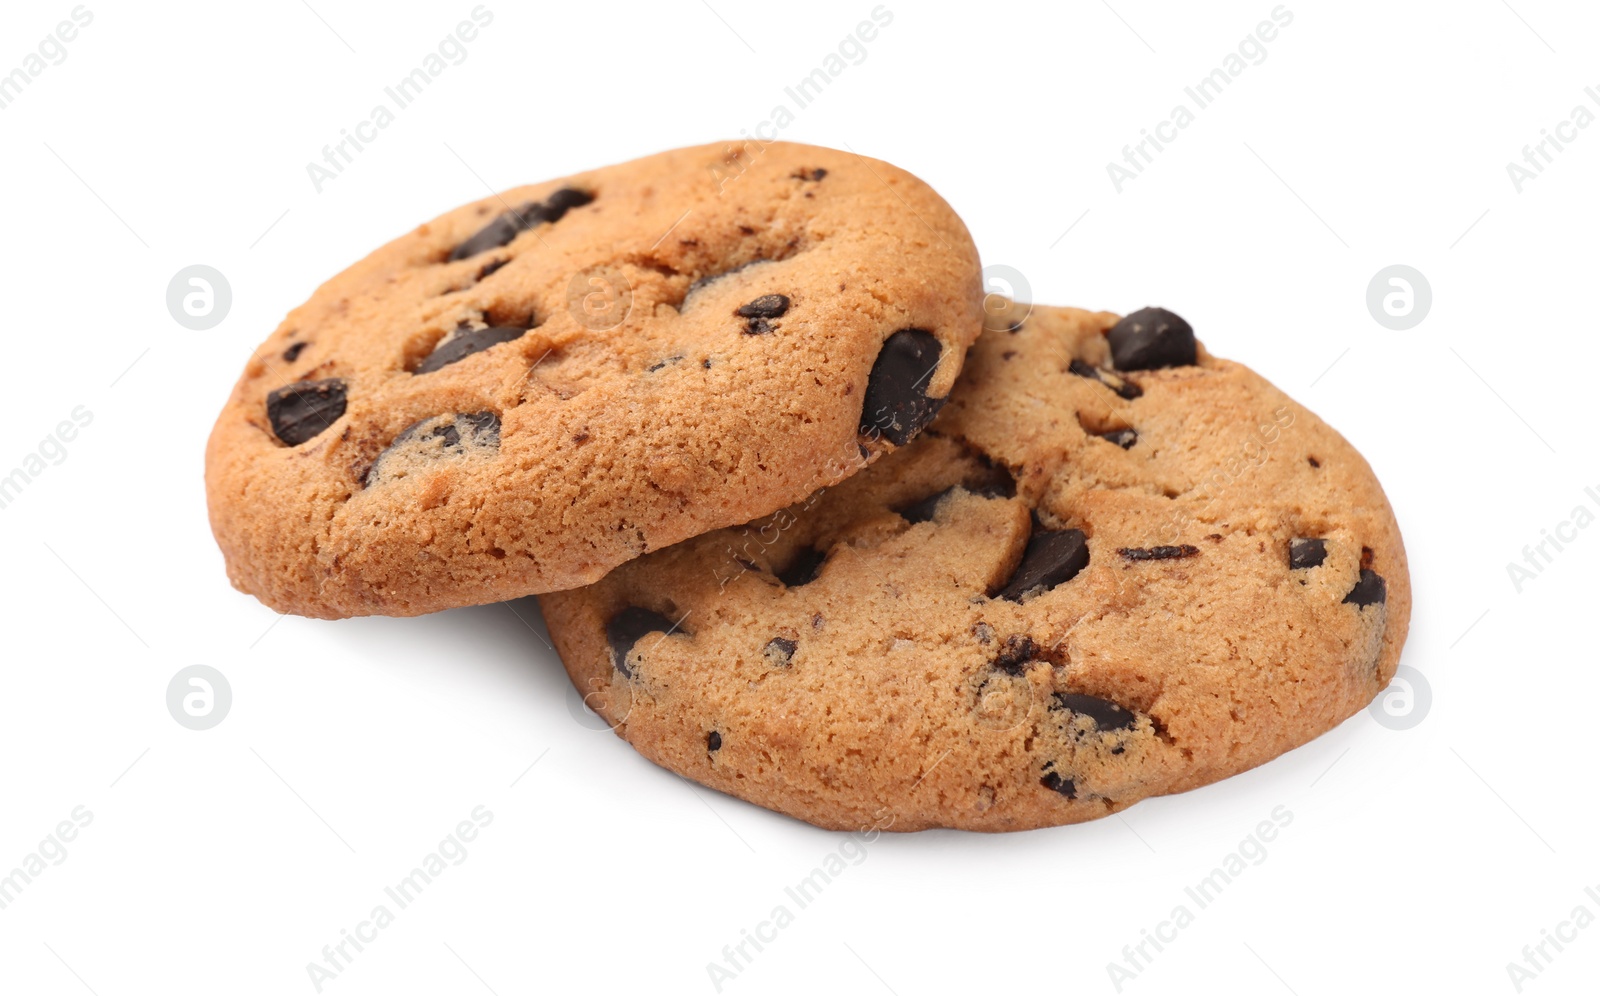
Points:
[[1081, 586], [662, 348]]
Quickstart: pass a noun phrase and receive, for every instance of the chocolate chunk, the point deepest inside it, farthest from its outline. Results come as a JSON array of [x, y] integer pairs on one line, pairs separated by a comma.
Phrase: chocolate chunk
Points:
[[302, 410], [463, 344], [510, 224], [1053, 556], [922, 510], [1056, 783], [434, 438], [1014, 656], [1107, 715], [1124, 438], [1304, 553], [1083, 369], [758, 311], [896, 403], [1151, 338], [803, 569], [627, 628], [564, 200], [1127, 390], [1370, 590], [779, 651], [765, 306], [293, 352], [1159, 552], [1314, 462], [495, 234], [713, 741]]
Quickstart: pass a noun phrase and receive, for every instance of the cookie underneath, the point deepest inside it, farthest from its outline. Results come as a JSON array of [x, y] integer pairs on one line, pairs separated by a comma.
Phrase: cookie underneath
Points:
[[1080, 587]]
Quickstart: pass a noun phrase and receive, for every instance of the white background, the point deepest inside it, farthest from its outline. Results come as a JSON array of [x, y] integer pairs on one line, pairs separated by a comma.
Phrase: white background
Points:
[[224, 860]]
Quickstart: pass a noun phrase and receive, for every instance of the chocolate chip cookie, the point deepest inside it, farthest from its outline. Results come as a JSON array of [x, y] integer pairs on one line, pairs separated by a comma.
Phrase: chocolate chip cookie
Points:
[[526, 392], [1114, 567]]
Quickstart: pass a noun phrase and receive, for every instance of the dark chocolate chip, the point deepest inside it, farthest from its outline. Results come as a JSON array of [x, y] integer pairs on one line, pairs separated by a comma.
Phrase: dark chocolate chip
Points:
[[779, 651], [491, 267], [1056, 783], [810, 174], [302, 410], [1107, 715], [1124, 438], [713, 741], [758, 326], [293, 352], [463, 344], [446, 430], [803, 569], [1371, 589], [1304, 553], [1151, 338], [1313, 461], [1053, 557], [510, 224], [495, 234], [922, 510], [1159, 552], [1083, 369], [765, 306], [1014, 656], [627, 628], [1127, 390], [563, 200], [896, 403]]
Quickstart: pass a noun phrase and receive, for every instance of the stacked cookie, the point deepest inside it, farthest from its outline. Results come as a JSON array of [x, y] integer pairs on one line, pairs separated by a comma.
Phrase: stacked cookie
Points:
[[707, 405]]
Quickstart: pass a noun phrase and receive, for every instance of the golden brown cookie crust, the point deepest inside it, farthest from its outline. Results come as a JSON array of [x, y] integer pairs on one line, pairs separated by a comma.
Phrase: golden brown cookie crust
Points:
[[608, 441], [904, 692]]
